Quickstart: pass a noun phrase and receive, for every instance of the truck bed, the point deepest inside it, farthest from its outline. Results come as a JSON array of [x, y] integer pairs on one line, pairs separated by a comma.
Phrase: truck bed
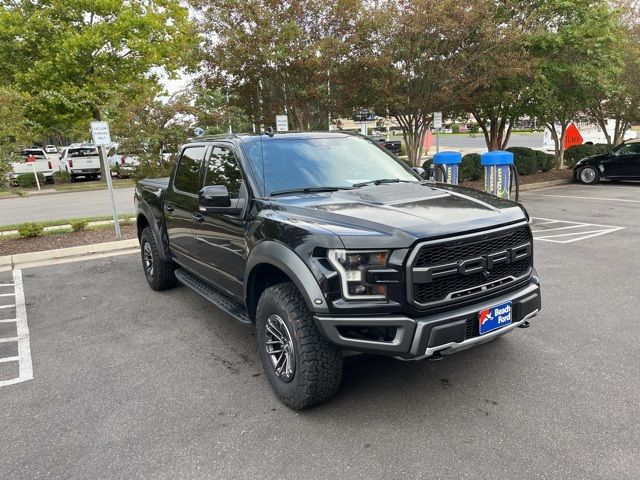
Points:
[[161, 183]]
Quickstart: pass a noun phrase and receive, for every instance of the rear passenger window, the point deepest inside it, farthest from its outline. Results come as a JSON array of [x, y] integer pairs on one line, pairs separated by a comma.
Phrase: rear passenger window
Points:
[[188, 171]]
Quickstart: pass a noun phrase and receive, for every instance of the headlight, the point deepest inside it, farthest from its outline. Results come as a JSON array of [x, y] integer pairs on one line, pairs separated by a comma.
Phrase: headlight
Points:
[[352, 265]]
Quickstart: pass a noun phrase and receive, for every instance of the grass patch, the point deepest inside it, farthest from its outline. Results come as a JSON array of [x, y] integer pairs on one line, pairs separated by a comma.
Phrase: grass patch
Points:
[[67, 221], [78, 187]]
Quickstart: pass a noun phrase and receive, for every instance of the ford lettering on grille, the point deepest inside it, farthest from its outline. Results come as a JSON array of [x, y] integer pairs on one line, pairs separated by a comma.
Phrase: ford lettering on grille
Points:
[[484, 263]]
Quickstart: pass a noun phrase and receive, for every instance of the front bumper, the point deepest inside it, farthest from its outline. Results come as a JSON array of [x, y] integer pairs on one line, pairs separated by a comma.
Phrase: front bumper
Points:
[[422, 337], [84, 171]]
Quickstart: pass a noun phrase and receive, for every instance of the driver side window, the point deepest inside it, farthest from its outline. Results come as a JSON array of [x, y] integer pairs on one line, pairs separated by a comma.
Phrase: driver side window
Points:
[[629, 149], [223, 169]]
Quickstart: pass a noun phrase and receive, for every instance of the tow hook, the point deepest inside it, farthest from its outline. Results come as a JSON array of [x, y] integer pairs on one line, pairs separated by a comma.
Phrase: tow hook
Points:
[[524, 325], [435, 357]]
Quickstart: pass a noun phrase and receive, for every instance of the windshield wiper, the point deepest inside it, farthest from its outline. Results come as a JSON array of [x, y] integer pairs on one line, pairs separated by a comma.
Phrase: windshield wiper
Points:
[[308, 190], [381, 181]]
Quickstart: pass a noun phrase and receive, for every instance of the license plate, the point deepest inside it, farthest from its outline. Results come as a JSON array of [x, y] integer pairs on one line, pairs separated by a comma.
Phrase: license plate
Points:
[[495, 317]]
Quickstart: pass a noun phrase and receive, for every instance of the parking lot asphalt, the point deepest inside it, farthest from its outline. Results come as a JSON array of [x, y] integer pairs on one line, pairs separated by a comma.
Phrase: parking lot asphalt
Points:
[[130, 383], [56, 206]]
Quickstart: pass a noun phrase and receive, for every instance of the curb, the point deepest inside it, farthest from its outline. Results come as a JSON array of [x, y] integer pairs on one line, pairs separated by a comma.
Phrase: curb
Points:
[[71, 254], [550, 183]]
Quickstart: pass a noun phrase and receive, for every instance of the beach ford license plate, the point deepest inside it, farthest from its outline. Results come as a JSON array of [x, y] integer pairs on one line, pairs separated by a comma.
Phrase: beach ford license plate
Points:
[[493, 318]]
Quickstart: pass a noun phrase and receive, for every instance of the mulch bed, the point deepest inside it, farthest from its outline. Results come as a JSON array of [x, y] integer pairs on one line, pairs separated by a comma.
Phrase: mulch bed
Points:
[[535, 178], [64, 240]]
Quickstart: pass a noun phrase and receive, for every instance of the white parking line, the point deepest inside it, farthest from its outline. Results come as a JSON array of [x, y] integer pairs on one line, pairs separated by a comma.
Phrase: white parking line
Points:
[[582, 198], [25, 366], [560, 235]]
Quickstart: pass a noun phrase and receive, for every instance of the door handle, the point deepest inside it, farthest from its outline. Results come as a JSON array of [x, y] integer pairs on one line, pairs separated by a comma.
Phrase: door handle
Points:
[[168, 209], [197, 218]]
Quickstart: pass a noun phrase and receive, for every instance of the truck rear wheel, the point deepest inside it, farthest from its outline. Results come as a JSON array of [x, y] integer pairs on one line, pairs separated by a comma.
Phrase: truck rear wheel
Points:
[[159, 272], [304, 369]]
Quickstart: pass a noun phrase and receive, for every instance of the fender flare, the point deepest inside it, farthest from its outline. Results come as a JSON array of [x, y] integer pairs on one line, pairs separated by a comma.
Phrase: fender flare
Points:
[[145, 211], [282, 257]]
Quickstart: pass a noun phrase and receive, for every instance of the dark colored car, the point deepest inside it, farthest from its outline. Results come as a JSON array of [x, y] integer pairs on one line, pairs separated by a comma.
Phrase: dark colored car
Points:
[[327, 243], [394, 146], [622, 163]]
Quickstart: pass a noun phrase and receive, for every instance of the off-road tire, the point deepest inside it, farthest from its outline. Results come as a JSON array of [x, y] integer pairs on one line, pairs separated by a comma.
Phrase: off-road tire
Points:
[[161, 276], [592, 179], [318, 364]]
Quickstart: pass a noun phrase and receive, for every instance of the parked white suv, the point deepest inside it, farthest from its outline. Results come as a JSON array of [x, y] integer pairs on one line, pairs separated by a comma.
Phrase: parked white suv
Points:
[[51, 149]]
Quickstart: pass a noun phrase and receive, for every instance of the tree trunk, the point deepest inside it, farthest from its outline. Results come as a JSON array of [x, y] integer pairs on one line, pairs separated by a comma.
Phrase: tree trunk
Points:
[[413, 130], [558, 141], [507, 136]]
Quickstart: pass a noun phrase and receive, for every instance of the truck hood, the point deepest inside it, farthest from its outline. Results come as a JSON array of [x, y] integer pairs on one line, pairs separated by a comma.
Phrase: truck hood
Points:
[[396, 215]]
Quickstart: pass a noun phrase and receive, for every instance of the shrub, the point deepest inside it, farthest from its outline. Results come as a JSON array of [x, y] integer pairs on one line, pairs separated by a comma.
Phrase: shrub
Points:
[[27, 180], [526, 160], [78, 225], [573, 154], [470, 169], [546, 161], [28, 230], [61, 177], [455, 128]]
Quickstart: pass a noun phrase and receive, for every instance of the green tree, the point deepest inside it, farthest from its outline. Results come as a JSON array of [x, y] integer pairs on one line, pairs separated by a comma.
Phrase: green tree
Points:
[[577, 56], [507, 72], [78, 59], [279, 56], [418, 56], [153, 130], [217, 110], [619, 101], [15, 130]]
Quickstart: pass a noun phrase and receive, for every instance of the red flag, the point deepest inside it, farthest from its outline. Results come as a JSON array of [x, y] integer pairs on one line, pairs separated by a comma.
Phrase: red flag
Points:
[[427, 140]]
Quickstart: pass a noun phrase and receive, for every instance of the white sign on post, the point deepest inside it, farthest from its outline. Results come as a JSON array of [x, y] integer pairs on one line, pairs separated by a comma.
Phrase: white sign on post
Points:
[[102, 138], [282, 123], [437, 119], [100, 133]]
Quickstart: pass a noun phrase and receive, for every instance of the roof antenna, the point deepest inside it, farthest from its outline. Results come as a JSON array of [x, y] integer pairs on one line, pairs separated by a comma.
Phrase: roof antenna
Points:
[[270, 131]]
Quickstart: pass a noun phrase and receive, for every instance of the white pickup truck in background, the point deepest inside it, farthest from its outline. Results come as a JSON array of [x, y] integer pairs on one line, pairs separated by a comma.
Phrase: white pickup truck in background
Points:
[[33, 160], [82, 160]]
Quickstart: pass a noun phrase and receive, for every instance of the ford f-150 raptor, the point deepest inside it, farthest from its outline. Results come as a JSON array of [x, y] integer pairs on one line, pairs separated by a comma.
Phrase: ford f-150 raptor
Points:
[[328, 243]]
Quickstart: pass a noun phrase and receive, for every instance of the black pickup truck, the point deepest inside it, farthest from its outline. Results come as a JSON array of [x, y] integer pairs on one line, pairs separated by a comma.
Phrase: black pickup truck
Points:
[[327, 243]]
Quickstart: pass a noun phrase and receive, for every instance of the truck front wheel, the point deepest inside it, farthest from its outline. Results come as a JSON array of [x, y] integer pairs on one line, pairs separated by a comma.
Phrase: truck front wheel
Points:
[[304, 369], [159, 272]]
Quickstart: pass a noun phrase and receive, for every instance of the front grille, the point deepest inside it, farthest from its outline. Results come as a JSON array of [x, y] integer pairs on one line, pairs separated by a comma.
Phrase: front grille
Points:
[[455, 286], [433, 255]]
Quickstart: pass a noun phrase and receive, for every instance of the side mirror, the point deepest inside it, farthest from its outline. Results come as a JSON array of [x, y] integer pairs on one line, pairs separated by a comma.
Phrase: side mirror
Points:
[[214, 196], [215, 199], [420, 171]]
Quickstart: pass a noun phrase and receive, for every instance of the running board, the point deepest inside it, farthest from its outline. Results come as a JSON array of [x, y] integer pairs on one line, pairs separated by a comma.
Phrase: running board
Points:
[[215, 296]]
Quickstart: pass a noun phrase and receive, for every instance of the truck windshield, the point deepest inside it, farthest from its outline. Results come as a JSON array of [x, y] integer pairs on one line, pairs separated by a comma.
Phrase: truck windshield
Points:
[[293, 163]]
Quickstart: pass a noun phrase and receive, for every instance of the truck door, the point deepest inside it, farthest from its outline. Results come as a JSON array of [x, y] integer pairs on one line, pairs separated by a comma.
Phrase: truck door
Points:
[[220, 238], [624, 163], [181, 201]]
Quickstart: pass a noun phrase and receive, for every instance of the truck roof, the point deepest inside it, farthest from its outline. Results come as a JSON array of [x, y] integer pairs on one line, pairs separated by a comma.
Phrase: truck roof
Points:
[[252, 137]]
